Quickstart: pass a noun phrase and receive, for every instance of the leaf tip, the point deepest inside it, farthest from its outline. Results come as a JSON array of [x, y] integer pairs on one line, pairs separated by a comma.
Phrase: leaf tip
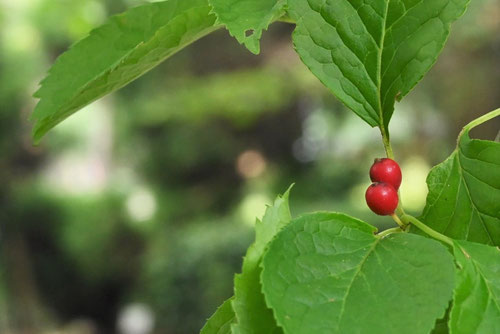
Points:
[[40, 128], [286, 194], [252, 46]]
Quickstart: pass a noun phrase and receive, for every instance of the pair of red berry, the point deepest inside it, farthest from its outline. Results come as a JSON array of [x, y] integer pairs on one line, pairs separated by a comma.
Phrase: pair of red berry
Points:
[[382, 195]]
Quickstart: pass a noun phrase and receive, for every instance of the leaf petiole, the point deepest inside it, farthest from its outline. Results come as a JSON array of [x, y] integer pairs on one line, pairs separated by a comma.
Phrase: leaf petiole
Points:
[[389, 231]]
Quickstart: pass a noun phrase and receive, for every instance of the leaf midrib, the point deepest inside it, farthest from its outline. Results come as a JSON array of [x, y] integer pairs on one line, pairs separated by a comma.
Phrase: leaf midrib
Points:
[[450, 220], [351, 283], [473, 205], [379, 66]]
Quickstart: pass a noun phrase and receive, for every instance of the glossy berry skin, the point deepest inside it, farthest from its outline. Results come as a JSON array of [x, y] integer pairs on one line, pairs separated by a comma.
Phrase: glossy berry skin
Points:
[[386, 170], [382, 198]]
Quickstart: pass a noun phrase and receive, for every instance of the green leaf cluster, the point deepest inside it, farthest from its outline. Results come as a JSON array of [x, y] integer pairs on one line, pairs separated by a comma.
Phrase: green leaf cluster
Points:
[[328, 272], [331, 273], [132, 43], [369, 53], [464, 203]]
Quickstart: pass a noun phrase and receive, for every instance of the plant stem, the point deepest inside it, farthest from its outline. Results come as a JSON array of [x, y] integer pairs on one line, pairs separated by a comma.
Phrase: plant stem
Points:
[[399, 222], [387, 142], [389, 231], [480, 120], [399, 210], [427, 229]]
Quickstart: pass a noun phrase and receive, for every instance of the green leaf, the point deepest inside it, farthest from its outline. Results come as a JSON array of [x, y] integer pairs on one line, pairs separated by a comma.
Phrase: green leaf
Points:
[[372, 52], [220, 322], [331, 274], [464, 191], [246, 19], [121, 50], [252, 314], [476, 301]]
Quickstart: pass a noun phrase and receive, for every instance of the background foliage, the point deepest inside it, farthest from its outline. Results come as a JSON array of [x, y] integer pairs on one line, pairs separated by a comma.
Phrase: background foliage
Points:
[[143, 204]]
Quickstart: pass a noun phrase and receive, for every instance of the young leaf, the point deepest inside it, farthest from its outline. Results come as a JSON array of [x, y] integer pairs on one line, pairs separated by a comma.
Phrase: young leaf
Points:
[[476, 301], [220, 322], [372, 52], [331, 274], [121, 50], [246, 19], [464, 191], [252, 314]]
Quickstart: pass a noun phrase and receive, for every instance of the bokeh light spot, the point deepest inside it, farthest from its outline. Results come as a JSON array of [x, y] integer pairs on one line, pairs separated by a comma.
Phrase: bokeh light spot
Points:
[[141, 205], [250, 164], [136, 319], [413, 189]]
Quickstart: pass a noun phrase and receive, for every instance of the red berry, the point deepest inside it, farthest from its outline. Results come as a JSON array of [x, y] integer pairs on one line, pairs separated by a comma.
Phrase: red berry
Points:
[[386, 170], [382, 198]]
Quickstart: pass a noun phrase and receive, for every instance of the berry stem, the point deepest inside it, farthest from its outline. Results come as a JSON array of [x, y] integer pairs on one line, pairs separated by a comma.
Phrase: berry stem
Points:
[[435, 234], [399, 210], [399, 222]]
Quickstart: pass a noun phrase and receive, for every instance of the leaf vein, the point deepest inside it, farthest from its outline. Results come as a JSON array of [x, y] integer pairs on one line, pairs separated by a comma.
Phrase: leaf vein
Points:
[[363, 261]]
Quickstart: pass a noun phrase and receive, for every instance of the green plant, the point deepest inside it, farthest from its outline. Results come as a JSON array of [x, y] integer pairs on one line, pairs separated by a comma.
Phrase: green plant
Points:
[[328, 272]]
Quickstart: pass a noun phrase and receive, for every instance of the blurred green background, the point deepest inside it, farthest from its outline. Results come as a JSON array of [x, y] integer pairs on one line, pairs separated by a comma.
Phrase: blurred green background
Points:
[[132, 216]]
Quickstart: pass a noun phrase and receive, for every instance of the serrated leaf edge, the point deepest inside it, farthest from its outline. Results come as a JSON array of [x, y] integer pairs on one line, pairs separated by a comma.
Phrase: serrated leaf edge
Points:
[[278, 201], [244, 40]]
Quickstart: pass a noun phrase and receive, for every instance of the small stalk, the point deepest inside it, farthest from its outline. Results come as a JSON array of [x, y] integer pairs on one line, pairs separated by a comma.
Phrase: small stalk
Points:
[[399, 222], [387, 142], [435, 234]]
